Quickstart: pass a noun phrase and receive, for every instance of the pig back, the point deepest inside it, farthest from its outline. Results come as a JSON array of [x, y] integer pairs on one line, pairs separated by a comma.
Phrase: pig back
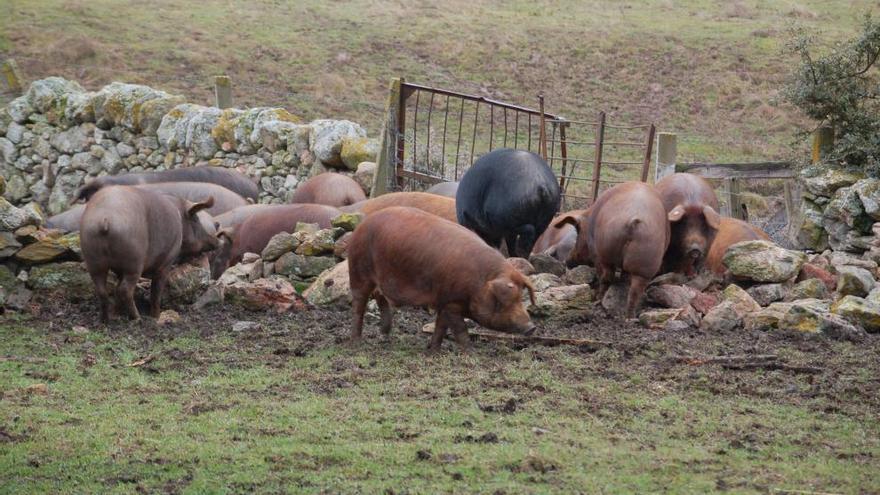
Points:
[[255, 232], [230, 179], [732, 230], [329, 188], [234, 217], [686, 190], [130, 230], [440, 206], [224, 199]]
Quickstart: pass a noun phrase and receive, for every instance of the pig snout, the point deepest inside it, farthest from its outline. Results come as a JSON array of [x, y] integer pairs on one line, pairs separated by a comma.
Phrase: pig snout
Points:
[[530, 330], [695, 253]]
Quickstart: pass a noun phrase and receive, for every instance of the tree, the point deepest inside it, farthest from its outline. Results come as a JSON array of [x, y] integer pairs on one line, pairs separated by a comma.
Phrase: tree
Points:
[[841, 88]]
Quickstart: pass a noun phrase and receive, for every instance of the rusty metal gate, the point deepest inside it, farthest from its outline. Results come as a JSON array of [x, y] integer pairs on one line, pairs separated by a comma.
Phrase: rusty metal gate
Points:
[[433, 135]]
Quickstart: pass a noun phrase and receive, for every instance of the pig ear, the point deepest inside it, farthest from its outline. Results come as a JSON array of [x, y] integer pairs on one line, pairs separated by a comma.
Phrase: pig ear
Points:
[[712, 217], [569, 220], [194, 208], [675, 214], [224, 232], [530, 287]]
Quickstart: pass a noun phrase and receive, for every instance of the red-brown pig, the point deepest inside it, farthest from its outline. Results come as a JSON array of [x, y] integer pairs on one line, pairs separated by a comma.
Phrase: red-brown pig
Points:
[[67, 221], [731, 231], [406, 257], [234, 217], [692, 206], [330, 189], [255, 232], [627, 229], [136, 232], [230, 179], [440, 206], [560, 237]]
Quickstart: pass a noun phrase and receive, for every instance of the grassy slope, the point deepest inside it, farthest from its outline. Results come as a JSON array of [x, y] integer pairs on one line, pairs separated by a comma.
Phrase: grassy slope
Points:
[[707, 69], [281, 410]]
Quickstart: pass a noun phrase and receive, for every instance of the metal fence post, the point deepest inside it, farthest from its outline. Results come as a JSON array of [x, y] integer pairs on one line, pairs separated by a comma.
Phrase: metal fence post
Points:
[[223, 91], [13, 77], [388, 143], [667, 155], [597, 165]]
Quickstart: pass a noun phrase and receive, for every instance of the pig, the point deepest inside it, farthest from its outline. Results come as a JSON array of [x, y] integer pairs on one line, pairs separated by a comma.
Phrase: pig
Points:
[[224, 199], [234, 217], [403, 256], [693, 212], [441, 206], [560, 237], [330, 189], [448, 189], [67, 221], [230, 179], [627, 229], [252, 235], [730, 231], [509, 195], [137, 232]]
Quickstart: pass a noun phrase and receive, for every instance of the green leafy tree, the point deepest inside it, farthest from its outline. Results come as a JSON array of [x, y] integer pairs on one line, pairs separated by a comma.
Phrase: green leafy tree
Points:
[[841, 88]]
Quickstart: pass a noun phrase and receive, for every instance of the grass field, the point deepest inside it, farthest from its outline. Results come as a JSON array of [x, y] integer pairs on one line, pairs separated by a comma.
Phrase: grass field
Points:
[[291, 408], [707, 69]]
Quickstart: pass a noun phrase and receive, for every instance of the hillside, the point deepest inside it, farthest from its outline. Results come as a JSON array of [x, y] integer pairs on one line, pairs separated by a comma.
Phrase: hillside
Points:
[[706, 69]]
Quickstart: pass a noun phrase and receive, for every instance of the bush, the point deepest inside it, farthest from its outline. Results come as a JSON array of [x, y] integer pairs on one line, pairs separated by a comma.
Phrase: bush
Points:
[[841, 88]]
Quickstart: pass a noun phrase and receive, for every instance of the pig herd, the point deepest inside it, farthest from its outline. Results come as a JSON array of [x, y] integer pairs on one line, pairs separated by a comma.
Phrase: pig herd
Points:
[[440, 249]]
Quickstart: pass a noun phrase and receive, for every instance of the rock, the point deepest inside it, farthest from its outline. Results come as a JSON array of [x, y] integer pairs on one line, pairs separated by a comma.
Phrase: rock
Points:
[[132, 106], [18, 298], [658, 318], [614, 300], [543, 281], [16, 188], [561, 298], [859, 311], [763, 261], [8, 245], [327, 137], [303, 267], [2, 185], [306, 228], [581, 274], [247, 258], [522, 265], [189, 127], [8, 151], [15, 132], [241, 272], [869, 194], [347, 221], [320, 243], [43, 251], [855, 281], [811, 288], [214, 295], [331, 288], [722, 318], [812, 270], [764, 294], [741, 300], [805, 315], [544, 263], [670, 296], [838, 259], [50, 95], [845, 220], [246, 326], [19, 109], [364, 175], [340, 249], [73, 140], [12, 218], [703, 302], [357, 150], [671, 278], [186, 282], [265, 293], [168, 317], [830, 181], [280, 244], [69, 277], [125, 150]]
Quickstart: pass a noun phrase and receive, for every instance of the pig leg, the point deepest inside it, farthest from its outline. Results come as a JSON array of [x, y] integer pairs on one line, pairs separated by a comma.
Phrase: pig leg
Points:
[[359, 299], [459, 331], [157, 286], [440, 326], [637, 285], [99, 278], [125, 294], [386, 312], [605, 276]]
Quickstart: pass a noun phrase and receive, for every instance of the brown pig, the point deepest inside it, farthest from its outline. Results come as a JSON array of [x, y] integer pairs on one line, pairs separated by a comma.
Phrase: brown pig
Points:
[[406, 257], [626, 229], [136, 232], [693, 213], [330, 189], [230, 179], [560, 237], [730, 232], [224, 199], [67, 221], [255, 232], [234, 217], [441, 206]]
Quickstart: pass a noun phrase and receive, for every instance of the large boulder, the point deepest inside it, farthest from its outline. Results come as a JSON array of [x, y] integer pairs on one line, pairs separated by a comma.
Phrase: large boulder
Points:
[[331, 288], [810, 316], [811, 288], [50, 247], [12, 218], [762, 261], [830, 180], [50, 96], [303, 267], [740, 299], [327, 137], [543, 281], [320, 243], [8, 244], [364, 175], [357, 150], [816, 271], [186, 282], [69, 277], [862, 312], [561, 298], [73, 140], [544, 263], [265, 293], [136, 107], [845, 220], [812, 234], [670, 296], [855, 281], [764, 294], [722, 318], [868, 191]]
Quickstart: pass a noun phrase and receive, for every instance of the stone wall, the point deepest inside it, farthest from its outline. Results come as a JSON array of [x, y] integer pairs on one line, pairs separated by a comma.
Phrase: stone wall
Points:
[[58, 135]]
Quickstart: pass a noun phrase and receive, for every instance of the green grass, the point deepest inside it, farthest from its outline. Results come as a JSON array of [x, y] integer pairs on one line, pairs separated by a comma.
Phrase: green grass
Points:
[[225, 413], [708, 70]]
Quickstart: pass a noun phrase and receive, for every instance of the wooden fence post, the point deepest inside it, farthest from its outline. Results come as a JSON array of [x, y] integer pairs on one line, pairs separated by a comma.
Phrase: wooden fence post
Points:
[[388, 140], [667, 155], [223, 91], [737, 208], [13, 77], [823, 141]]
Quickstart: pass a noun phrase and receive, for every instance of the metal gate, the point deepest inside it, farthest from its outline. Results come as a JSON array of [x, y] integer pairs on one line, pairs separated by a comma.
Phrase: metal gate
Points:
[[433, 135]]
